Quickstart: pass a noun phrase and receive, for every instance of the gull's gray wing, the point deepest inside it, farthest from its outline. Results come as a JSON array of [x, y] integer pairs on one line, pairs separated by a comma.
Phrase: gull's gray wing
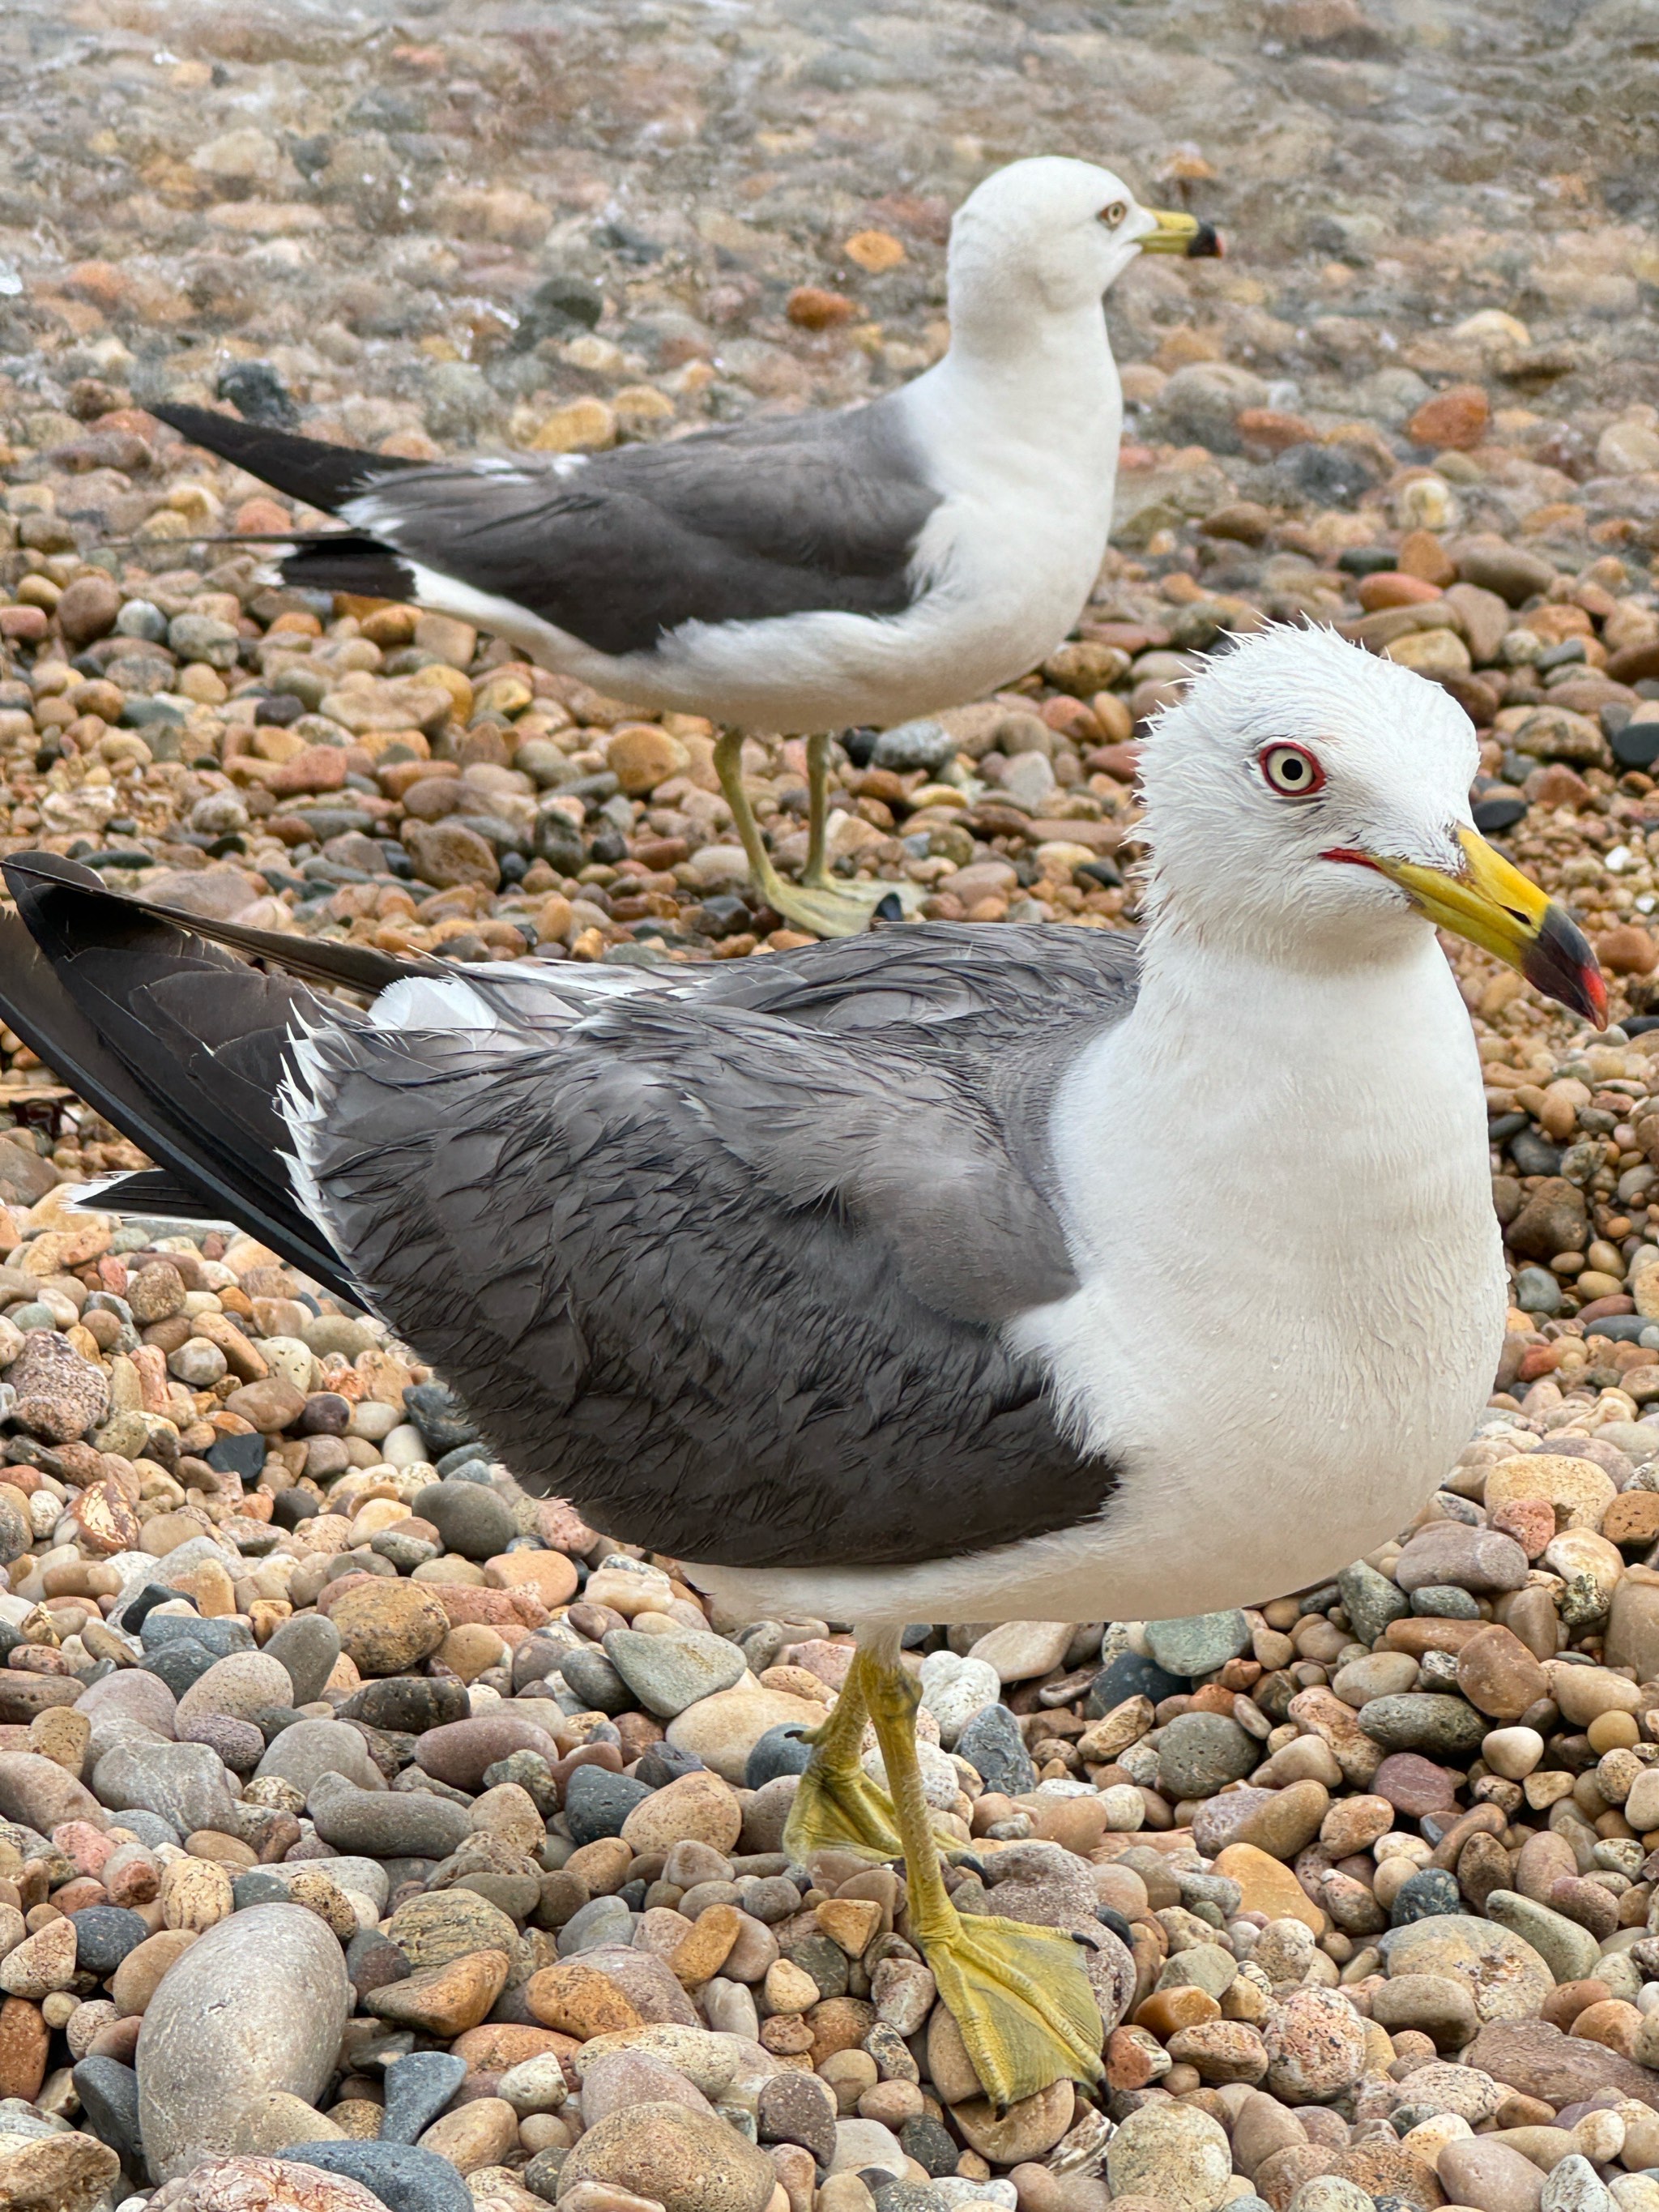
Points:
[[999, 1008], [735, 1283], [763, 519]]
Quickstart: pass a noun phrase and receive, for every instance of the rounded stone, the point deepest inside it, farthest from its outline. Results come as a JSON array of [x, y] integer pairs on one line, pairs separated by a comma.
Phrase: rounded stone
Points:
[[407, 1704], [1198, 1753], [103, 1935], [1428, 1894], [442, 1924], [697, 1808], [42, 1795], [403, 2177], [1505, 1976], [723, 1730], [300, 1754], [240, 1687], [473, 1520], [68, 2173], [1173, 2153], [256, 2004], [1498, 1674], [686, 2161], [307, 1647], [1315, 2044], [458, 1752], [388, 1627], [598, 1802], [667, 1674], [385, 1823], [1424, 1722]]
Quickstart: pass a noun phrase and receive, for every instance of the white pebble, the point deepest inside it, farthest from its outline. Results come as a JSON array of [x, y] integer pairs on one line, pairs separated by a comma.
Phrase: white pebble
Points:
[[954, 1688], [373, 1421], [1512, 1753], [404, 1446], [1124, 1807]]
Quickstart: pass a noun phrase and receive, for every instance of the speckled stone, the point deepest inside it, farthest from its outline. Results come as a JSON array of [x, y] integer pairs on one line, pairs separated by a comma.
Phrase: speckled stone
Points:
[[1504, 1975], [1199, 1642], [403, 2177], [418, 2089]]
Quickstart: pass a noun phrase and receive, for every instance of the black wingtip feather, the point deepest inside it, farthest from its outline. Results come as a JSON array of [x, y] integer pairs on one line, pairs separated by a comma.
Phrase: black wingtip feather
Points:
[[323, 476], [349, 561], [79, 966]]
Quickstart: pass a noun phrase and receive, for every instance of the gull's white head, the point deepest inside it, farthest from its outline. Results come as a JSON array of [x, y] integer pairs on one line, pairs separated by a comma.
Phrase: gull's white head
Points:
[[1052, 234], [1307, 803]]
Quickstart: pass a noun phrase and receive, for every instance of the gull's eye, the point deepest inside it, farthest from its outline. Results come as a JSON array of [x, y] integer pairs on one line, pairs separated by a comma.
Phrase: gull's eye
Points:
[[1111, 217], [1292, 770]]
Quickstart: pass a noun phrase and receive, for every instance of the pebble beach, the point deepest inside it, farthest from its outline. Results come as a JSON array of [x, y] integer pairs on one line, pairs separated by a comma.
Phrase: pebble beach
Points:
[[377, 1838]]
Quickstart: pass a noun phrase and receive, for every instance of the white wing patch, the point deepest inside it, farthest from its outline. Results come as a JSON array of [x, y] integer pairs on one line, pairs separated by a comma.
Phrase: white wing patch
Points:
[[426, 1002], [302, 1102]]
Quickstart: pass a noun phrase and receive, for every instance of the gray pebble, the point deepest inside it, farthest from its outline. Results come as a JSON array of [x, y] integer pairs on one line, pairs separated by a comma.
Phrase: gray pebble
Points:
[[475, 1522], [418, 2089], [309, 1647], [404, 2178]]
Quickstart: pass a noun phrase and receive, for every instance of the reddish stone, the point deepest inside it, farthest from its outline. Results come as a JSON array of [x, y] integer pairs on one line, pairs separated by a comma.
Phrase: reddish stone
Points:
[[494, 1608], [1557, 785], [1632, 663], [1132, 2059], [1389, 588], [1605, 1309], [812, 307], [1531, 1520], [1120, 763], [1266, 431], [24, 2039], [319, 767], [1458, 418], [499, 2045], [1627, 950], [1414, 1785]]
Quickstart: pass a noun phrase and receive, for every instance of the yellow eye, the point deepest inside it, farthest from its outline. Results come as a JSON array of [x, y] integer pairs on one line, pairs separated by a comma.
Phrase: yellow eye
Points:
[[1111, 217]]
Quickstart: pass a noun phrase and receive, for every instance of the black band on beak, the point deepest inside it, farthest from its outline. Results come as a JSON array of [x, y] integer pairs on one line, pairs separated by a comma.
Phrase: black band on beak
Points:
[[1561, 964], [1206, 244]]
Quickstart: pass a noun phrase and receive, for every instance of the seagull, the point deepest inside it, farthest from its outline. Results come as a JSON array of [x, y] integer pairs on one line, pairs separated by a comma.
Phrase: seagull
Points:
[[940, 1273], [797, 573]]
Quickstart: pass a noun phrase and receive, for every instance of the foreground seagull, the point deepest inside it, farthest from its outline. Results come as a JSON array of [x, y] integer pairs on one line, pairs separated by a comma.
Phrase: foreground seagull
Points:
[[869, 1277], [793, 573]]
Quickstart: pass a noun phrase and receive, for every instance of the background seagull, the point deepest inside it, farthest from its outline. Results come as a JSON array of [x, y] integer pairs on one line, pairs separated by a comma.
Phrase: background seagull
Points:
[[868, 1277], [802, 572]]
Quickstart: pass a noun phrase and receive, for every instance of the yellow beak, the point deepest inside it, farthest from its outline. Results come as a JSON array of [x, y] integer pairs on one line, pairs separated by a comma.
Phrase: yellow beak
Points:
[[1496, 908], [1181, 234]]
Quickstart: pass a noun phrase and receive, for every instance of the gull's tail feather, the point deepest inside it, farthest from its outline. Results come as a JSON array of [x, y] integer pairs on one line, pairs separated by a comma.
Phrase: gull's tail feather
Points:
[[323, 476], [181, 1046], [307, 468]]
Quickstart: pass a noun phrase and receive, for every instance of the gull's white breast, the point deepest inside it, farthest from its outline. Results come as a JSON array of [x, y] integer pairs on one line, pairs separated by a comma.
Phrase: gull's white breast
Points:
[[1291, 1305], [1293, 1288]]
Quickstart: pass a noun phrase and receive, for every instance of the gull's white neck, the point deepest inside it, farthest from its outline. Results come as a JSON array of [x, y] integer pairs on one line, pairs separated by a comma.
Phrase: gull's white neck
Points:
[[1025, 391], [1288, 1323], [1020, 431]]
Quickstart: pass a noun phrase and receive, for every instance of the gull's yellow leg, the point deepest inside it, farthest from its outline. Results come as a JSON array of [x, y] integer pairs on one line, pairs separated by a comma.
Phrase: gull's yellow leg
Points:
[[817, 902], [837, 1806], [1019, 1994], [815, 876]]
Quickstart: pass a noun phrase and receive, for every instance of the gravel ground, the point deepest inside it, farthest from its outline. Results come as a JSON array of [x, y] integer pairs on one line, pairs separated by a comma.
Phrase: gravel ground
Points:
[[377, 1835]]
